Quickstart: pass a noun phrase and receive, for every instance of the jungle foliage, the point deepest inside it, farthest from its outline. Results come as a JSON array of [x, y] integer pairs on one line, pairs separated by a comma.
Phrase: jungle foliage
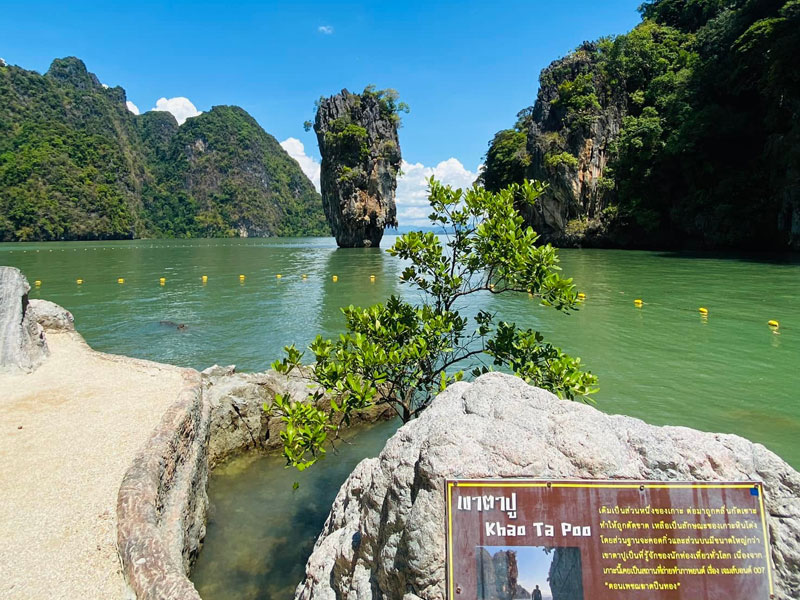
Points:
[[709, 144], [75, 163]]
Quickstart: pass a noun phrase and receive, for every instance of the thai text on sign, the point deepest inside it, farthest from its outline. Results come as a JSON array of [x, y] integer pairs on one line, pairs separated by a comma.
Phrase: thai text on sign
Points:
[[573, 540]]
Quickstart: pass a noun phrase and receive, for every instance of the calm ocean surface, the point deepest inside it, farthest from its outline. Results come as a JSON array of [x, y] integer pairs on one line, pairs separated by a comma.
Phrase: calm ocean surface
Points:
[[662, 362]]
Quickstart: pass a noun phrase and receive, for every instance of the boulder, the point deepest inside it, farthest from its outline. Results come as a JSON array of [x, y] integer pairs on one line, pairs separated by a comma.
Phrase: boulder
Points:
[[52, 316], [22, 343], [384, 537]]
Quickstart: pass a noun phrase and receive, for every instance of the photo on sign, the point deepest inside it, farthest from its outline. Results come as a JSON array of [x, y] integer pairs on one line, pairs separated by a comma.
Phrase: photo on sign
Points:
[[529, 573]]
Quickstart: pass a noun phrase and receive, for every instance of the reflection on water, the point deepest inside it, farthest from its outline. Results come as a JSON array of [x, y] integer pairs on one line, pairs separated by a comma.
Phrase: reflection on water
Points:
[[261, 530]]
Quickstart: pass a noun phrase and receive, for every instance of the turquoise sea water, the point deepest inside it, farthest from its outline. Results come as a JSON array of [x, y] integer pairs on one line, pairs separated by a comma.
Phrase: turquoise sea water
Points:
[[662, 362]]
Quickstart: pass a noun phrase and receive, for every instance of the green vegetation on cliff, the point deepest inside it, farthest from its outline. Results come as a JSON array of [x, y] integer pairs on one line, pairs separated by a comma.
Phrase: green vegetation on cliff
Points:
[[688, 127], [76, 164]]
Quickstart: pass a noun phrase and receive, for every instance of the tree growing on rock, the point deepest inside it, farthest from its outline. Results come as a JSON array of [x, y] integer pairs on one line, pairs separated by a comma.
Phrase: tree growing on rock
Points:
[[402, 354]]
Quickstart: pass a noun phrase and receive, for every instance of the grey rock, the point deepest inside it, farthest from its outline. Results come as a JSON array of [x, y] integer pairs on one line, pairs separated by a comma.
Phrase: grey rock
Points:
[[52, 316], [497, 576], [498, 426], [575, 192], [22, 343], [163, 501], [218, 371], [561, 577], [358, 176], [239, 422]]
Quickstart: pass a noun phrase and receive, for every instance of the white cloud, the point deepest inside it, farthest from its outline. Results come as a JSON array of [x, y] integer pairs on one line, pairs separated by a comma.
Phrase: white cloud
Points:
[[104, 86], [412, 187], [180, 107], [132, 107], [326, 29], [297, 151]]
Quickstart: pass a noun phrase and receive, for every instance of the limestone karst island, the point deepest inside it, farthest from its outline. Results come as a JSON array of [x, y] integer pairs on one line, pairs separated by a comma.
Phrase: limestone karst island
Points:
[[400, 301]]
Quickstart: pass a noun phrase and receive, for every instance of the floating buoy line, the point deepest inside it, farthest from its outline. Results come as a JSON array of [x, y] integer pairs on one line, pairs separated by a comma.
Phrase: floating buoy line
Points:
[[773, 324]]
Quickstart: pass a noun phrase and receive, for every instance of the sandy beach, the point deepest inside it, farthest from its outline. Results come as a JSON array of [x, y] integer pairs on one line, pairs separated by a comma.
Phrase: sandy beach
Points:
[[68, 432]]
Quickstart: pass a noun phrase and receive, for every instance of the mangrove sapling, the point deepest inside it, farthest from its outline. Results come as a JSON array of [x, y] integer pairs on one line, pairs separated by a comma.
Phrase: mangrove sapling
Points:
[[402, 354]]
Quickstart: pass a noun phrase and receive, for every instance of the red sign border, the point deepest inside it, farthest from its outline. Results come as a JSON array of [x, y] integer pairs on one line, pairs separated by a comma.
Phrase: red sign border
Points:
[[592, 483]]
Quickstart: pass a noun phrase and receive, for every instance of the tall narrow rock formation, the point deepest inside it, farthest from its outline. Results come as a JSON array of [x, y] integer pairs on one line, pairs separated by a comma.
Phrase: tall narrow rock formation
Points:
[[357, 135], [498, 575], [22, 343], [566, 574]]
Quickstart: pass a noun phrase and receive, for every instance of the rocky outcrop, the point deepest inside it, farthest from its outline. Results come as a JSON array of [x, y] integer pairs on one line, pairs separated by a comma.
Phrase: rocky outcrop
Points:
[[357, 137], [52, 316], [162, 502], [22, 342], [570, 149], [497, 576], [238, 420], [384, 537]]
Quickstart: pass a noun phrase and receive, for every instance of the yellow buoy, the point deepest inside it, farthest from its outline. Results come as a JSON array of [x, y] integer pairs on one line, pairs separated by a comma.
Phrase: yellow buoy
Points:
[[773, 323], [703, 311], [335, 278], [121, 280], [162, 280], [372, 277], [581, 296], [37, 283], [305, 276], [638, 302], [205, 278], [278, 276], [241, 277], [79, 281]]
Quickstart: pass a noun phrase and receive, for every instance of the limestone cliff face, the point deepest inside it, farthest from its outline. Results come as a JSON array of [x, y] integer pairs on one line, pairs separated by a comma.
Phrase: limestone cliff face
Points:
[[360, 151], [565, 577], [569, 146]]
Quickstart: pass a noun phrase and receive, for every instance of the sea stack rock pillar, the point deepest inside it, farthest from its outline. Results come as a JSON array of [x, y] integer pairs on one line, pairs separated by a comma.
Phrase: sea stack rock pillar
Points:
[[357, 137]]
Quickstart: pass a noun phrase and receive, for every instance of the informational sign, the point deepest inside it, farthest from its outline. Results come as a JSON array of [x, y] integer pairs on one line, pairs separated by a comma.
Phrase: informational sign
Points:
[[512, 539]]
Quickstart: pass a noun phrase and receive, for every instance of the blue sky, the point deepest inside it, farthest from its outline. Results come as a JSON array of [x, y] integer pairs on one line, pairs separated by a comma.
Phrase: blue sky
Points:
[[465, 68]]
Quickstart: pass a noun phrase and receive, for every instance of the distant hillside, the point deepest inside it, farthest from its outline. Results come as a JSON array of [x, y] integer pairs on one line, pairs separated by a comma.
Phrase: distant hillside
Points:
[[76, 164]]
